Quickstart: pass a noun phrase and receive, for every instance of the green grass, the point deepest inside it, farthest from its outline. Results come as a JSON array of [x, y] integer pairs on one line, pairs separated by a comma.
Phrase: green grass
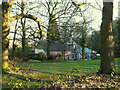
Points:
[[36, 73], [89, 66], [83, 66]]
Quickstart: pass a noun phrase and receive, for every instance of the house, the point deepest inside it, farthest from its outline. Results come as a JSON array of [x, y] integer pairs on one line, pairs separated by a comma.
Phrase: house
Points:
[[76, 53], [73, 50], [89, 54], [56, 48]]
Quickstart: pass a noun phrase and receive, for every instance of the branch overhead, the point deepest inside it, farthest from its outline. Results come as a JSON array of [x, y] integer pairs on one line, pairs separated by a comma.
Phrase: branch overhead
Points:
[[30, 17]]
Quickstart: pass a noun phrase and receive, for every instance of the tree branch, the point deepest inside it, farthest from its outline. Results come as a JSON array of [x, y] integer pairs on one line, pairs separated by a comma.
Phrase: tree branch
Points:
[[76, 5], [30, 17], [12, 2], [54, 7]]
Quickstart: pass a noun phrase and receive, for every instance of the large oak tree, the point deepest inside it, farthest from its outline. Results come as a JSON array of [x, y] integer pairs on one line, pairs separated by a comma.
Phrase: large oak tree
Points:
[[6, 20], [107, 40]]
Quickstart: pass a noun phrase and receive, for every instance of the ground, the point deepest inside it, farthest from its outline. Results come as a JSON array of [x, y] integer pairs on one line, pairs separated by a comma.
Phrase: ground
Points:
[[68, 74]]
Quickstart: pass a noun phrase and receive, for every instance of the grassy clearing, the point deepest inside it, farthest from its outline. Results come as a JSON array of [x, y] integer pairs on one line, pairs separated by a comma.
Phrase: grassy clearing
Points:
[[36, 73], [89, 66], [81, 66]]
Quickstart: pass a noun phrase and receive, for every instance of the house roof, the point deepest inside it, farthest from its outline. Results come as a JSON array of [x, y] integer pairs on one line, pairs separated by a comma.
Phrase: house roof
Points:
[[59, 46], [87, 50], [56, 46]]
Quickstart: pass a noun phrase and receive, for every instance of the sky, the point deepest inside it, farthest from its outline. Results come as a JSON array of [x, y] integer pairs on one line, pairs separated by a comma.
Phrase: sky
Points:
[[94, 14], [97, 14]]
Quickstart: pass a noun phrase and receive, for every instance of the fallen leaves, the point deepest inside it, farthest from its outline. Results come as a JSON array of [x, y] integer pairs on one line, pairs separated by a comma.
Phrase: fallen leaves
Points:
[[94, 81], [66, 80]]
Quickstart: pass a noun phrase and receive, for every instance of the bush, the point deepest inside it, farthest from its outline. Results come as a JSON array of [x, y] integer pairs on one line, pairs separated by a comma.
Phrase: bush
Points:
[[41, 56], [29, 54], [18, 53], [29, 51], [60, 58], [18, 56]]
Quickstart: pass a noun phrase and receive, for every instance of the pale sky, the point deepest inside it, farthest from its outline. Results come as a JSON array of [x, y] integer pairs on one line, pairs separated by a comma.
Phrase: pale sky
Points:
[[97, 14], [92, 14]]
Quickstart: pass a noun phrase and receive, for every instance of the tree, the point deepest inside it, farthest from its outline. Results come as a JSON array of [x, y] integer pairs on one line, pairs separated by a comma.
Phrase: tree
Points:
[[1, 38], [6, 20], [107, 40], [54, 14], [23, 29], [119, 37], [80, 34], [65, 35], [52, 32], [13, 45], [116, 33], [94, 41], [82, 41]]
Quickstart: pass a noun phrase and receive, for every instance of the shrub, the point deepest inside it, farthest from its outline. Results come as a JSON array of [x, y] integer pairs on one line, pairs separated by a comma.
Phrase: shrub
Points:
[[18, 53], [29, 54], [19, 56], [60, 58], [29, 51], [41, 56]]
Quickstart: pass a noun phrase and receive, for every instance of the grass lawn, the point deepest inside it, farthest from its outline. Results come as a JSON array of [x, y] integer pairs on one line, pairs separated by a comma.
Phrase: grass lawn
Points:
[[77, 66], [35, 73]]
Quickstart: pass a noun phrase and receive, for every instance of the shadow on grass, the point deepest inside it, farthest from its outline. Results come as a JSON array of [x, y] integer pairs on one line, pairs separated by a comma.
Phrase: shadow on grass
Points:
[[21, 77]]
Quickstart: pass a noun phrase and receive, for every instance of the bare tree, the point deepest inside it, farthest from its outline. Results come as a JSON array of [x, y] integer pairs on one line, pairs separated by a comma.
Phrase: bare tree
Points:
[[53, 14], [82, 41]]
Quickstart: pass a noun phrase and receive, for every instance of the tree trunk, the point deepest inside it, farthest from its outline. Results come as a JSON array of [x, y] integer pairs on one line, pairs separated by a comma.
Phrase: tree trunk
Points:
[[23, 31], [48, 48], [107, 40], [83, 53], [23, 38], [1, 45], [48, 43], [119, 37], [52, 32], [64, 47], [64, 43], [49, 37], [13, 51], [83, 40], [5, 34]]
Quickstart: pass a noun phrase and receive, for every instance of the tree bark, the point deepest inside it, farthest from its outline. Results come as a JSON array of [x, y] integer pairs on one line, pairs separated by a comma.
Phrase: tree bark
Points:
[[0, 43], [107, 40], [5, 34]]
